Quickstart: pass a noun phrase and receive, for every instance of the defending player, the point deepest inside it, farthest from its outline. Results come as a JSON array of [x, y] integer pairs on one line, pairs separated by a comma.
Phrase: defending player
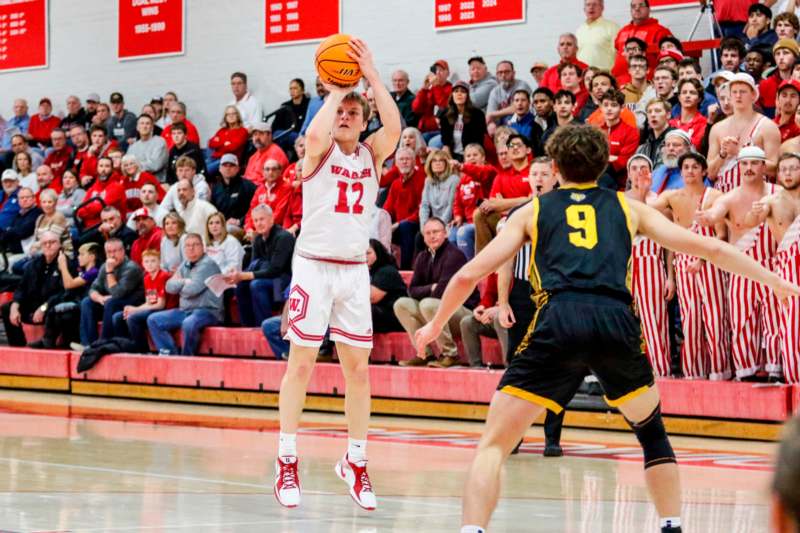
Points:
[[653, 282], [702, 287], [781, 211], [330, 279], [581, 236], [754, 311]]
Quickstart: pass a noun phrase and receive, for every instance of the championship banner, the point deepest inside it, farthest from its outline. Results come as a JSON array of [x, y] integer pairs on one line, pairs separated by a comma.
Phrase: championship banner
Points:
[[673, 3], [23, 34], [300, 21], [150, 28], [454, 14]]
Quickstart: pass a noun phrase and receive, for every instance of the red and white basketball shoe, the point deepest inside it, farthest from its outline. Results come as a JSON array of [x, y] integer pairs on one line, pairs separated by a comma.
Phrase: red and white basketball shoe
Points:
[[357, 479], [287, 482]]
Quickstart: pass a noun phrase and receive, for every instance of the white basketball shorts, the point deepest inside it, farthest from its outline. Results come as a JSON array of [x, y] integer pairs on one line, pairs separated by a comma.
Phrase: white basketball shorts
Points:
[[326, 294]]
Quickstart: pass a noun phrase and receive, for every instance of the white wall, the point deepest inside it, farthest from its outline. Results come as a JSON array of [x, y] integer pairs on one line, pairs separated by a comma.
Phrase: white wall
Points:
[[223, 36]]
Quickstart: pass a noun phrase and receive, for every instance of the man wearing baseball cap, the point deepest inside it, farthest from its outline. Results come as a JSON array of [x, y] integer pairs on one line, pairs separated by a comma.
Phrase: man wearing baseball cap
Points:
[[42, 124], [750, 304], [787, 103], [435, 93], [481, 82], [121, 124], [232, 194], [149, 234], [745, 127], [9, 207], [785, 53]]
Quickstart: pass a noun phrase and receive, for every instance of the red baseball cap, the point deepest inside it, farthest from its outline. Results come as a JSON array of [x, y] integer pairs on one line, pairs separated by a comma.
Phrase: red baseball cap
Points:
[[671, 54], [142, 212], [793, 84]]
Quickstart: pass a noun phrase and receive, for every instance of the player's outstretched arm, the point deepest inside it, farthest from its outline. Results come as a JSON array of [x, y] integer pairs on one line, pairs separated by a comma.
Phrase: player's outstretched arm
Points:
[[319, 132], [653, 225], [383, 141], [500, 250]]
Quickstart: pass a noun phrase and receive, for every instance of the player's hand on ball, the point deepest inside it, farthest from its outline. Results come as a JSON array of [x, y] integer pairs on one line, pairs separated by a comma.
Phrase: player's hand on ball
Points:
[[424, 336], [363, 56]]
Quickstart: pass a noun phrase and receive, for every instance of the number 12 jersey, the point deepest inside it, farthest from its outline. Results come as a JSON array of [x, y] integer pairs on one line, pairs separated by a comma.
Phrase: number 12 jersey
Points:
[[338, 206]]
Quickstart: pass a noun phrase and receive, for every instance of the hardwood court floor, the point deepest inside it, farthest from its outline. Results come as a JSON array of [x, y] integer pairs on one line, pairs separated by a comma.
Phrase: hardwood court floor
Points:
[[94, 464]]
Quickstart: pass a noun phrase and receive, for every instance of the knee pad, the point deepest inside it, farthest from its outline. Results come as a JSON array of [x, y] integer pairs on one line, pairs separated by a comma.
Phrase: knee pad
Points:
[[653, 438]]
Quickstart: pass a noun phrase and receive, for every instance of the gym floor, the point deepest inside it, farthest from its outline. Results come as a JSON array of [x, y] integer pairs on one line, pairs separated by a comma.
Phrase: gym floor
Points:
[[71, 463]]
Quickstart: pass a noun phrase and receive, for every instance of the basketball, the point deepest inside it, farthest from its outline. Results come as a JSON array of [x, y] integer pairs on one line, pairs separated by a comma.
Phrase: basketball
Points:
[[333, 64]]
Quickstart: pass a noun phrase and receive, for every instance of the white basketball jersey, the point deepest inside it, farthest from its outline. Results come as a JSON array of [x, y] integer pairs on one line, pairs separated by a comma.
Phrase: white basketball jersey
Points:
[[338, 204]]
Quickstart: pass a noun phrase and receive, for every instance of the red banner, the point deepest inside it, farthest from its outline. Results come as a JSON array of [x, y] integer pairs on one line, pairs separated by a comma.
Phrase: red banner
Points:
[[150, 28], [451, 14], [673, 3], [23, 34], [300, 21]]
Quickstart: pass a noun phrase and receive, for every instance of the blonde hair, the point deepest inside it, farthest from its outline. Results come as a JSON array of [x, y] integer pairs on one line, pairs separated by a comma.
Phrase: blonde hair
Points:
[[175, 217], [448, 169], [224, 123], [221, 217]]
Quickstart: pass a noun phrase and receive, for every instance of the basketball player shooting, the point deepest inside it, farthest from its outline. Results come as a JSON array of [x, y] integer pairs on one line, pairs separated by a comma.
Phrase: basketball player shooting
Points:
[[330, 280], [581, 238]]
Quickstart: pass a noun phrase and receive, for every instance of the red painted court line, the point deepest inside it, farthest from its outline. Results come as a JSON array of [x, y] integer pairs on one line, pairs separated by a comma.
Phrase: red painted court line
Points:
[[452, 439]]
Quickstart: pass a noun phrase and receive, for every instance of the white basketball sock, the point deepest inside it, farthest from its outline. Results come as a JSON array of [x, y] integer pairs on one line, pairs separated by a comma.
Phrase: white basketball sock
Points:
[[356, 450], [287, 444], [472, 529]]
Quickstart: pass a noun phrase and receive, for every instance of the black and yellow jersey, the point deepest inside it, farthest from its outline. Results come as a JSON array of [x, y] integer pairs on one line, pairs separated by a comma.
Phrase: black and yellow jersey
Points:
[[581, 239]]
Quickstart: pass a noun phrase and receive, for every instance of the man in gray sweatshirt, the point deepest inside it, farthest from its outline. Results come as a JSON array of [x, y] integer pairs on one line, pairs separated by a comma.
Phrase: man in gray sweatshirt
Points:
[[150, 150], [199, 307]]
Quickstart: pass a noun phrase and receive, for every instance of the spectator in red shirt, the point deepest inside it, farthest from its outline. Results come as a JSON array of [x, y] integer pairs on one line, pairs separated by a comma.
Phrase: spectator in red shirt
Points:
[[785, 53], [132, 320], [80, 140], [274, 192], [177, 114], [471, 191], [567, 51], [690, 95], [434, 94], [231, 138], [46, 180], [133, 179], [265, 150], [570, 76], [510, 189], [104, 192], [787, 105], [402, 204], [60, 157], [100, 147], [643, 27], [292, 176], [623, 139], [42, 124], [732, 16], [149, 235]]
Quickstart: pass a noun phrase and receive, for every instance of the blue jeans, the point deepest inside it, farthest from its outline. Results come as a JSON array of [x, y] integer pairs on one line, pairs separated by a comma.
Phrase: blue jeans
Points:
[[464, 237], [162, 323], [91, 313], [255, 299], [272, 332], [404, 236], [135, 327]]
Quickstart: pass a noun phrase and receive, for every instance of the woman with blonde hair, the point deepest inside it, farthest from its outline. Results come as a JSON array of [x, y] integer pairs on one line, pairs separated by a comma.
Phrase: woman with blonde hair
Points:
[[23, 164], [172, 242], [439, 190], [222, 247], [231, 138]]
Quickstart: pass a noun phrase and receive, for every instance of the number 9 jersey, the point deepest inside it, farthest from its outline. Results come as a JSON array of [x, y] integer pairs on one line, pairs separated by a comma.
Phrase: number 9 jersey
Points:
[[338, 205], [581, 238]]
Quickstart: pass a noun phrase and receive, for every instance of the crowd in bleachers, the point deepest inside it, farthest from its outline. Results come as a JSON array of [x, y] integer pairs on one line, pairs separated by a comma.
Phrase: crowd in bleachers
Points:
[[134, 222]]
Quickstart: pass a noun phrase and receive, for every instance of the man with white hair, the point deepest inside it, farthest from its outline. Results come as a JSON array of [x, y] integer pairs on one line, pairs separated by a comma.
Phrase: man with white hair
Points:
[[403, 96], [754, 308], [596, 36], [667, 175], [746, 127], [134, 178], [567, 50]]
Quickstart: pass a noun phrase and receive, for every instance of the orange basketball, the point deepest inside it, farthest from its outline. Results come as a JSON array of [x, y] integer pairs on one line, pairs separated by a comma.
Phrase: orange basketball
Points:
[[334, 66]]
